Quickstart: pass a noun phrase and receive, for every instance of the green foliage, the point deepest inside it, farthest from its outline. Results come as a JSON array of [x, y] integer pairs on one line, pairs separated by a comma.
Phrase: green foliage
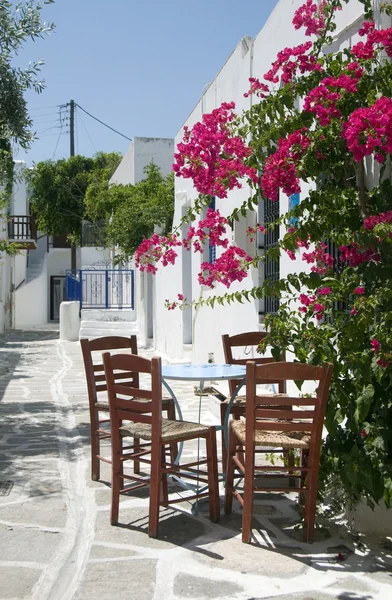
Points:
[[18, 23], [132, 211], [58, 190]]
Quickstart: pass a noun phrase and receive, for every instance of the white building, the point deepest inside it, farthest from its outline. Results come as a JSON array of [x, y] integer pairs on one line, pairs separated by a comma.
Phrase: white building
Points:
[[191, 334], [140, 153]]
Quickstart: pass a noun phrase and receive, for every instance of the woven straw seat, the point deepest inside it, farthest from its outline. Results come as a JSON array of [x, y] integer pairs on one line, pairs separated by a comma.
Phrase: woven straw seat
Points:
[[102, 405], [171, 430], [241, 400], [281, 439]]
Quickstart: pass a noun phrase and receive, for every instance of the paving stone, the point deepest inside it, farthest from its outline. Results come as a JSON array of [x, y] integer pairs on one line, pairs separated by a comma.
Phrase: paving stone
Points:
[[102, 552], [18, 543], [47, 511], [120, 580], [233, 555], [174, 529], [188, 586], [17, 582]]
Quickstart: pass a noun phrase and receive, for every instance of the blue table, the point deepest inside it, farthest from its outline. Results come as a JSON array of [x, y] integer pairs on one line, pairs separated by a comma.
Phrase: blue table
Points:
[[203, 373]]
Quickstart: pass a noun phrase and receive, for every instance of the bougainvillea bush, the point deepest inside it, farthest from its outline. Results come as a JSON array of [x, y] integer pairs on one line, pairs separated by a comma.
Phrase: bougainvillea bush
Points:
[[324, 119]]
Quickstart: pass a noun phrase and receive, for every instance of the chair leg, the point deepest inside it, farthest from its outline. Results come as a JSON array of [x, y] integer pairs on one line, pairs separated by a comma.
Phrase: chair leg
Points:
[[95, 448], [230, 474], [212, 468], [117, 481], [171, 415], [310, 506], [164, 499], [155, 490], [247, 509], [223, 408], [303, 463]]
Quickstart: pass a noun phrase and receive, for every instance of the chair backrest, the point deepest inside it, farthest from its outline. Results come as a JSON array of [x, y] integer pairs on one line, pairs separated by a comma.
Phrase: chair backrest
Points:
[[139, 405], [92, 357], [279, 414], [247, 341]]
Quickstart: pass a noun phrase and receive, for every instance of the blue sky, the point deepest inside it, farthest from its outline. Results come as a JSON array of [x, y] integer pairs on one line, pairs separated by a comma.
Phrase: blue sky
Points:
[[138, 66]]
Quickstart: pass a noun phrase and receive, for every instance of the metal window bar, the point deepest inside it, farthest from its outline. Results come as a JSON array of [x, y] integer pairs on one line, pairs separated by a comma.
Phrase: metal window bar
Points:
[[212, 249], [271, 239]]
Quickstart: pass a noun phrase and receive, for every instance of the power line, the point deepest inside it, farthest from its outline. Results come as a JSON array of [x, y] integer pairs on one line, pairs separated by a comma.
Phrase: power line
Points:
[[88, 135], [102, 123], [59, 125], [44, 107]]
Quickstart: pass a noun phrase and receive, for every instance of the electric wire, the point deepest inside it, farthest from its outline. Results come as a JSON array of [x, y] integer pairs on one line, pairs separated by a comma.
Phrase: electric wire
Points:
[[102, 123], [44, 107], [62, 120], [88, 135]]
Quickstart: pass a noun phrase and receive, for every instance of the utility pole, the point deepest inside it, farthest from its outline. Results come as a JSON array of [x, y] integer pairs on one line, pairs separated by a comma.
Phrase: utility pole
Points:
[[72, 153], [72, 127]]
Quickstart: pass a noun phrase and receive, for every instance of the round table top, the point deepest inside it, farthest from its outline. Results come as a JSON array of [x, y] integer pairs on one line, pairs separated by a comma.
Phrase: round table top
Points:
[[203, 372]]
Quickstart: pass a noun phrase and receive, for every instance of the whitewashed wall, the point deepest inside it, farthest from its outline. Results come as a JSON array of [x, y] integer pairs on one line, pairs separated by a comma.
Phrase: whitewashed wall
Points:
[[250, 58], [140, 153]]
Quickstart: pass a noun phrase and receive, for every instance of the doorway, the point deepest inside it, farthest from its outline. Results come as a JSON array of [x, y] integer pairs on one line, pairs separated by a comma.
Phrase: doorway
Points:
[[57, 295]]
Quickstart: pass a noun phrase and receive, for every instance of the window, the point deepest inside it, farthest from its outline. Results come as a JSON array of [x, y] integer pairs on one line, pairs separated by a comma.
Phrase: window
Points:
[[212, 249], [293, 201], [209, 252], [269, 212]]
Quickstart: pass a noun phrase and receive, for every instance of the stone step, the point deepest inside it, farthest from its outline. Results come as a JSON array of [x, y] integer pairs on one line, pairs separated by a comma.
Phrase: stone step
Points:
[[131, 325], [94, 332], [108, 314]]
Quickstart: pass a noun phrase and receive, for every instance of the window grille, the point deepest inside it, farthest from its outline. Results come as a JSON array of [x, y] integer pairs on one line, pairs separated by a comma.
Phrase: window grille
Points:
[[212, 249], [271, 267]]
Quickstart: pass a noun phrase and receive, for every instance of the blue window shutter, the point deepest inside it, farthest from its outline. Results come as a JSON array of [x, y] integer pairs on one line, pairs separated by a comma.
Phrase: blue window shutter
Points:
[[293, 201], [212, 249]]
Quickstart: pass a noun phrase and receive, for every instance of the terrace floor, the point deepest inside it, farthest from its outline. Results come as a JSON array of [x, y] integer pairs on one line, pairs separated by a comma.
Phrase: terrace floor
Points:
[[56, 541]]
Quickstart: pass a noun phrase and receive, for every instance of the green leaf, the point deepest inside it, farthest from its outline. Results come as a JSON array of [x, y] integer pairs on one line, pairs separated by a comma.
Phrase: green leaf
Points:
[[363, 403]]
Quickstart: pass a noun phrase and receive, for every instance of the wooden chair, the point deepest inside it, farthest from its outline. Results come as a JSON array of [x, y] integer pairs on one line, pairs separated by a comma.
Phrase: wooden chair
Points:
[[248, 342], [268, 423], [129, 406], [96, 383]]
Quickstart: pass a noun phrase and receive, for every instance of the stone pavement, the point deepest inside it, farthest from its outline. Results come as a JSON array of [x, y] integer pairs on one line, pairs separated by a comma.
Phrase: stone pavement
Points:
[[56, 542]]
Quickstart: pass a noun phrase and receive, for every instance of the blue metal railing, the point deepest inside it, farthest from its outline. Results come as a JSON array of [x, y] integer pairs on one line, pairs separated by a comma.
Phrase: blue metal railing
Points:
[[101, 288]]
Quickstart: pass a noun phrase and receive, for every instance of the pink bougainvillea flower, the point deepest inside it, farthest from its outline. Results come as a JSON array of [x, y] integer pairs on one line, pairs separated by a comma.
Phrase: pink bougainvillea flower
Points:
[[375, 345], [180, 297], [280, 170], [383, 363], [324, 291], [360, 290], [368, 130], [212, 156], [311, 16], [353, 312], [304, 299]]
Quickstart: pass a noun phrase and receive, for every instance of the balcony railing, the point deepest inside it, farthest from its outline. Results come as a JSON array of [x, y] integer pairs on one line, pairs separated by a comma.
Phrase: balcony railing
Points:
[[22, 231]]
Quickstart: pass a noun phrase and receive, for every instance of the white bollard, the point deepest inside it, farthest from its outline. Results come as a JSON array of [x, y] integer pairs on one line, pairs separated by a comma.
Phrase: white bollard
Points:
[[69, 321]]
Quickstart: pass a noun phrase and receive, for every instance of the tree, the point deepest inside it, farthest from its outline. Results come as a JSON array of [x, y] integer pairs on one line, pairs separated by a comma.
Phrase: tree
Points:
[[18, 23], [58, 191], [132, 211], [339, 311]]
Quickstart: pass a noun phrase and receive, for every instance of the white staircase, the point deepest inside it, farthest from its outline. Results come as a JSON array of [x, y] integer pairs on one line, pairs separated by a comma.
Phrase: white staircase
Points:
[[34, 269], [103, 322]]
